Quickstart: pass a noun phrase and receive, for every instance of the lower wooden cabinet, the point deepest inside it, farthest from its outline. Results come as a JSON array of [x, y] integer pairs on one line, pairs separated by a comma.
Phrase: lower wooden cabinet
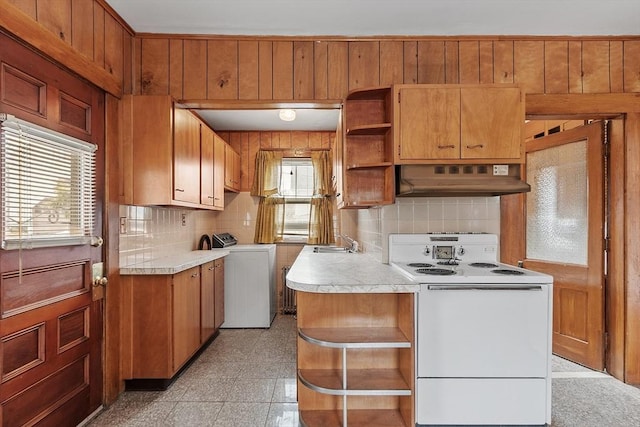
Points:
[[168, 318]]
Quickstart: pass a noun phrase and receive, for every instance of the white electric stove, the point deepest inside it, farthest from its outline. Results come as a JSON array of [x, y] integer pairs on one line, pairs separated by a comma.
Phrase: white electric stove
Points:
[[483, 331]]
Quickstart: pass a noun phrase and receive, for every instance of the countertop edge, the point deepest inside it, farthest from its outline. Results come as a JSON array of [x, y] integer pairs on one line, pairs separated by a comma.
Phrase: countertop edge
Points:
[[346, 273], [174, 264]]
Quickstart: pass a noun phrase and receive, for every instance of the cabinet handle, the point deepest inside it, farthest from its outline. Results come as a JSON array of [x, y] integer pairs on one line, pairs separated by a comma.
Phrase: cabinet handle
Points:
[[181, 190], [210, 268], [216, 198], [446, 146], [194, 275], [476, 146], [210, 197]]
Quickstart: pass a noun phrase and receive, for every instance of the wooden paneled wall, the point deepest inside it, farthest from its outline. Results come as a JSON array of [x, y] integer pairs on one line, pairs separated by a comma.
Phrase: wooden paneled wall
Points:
[[291, 69], [248, 144], [90, 27]]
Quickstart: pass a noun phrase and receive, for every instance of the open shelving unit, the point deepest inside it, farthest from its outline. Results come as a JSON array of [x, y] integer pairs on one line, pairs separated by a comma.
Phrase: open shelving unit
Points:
[[367, 151], [355, 362]]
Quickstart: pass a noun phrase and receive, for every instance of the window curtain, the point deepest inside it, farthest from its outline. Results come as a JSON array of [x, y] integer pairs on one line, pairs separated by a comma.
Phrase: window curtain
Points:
[[321, 215], [270, 219], [271, 207]]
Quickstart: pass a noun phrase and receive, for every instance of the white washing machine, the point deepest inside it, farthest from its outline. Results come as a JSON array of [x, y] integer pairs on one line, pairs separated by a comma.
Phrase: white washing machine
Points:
[[249, 284]]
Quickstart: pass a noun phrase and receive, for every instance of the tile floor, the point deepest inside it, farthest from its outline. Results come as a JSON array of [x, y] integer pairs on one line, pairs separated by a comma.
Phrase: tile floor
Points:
[[247, 377]]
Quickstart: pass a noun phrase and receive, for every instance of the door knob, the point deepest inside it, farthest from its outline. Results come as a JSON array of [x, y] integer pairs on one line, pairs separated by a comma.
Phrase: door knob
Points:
[[100, 281]]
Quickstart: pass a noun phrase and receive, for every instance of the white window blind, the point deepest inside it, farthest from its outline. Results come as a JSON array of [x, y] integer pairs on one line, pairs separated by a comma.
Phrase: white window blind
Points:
[[48, 185]]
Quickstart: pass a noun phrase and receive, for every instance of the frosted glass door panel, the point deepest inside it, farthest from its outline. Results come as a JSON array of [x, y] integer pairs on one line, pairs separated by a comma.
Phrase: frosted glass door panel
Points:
[[557, 213]]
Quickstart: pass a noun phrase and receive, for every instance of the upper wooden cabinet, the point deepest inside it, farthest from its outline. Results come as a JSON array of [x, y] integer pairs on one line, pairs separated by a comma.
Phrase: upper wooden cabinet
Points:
[[366, 154], [186, 157], [231, 169], [439, 123], [218, 171], [167, 155]]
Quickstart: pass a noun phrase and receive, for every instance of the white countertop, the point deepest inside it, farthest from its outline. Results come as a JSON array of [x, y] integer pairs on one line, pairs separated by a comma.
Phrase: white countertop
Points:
[[346, 273], [175, 263]]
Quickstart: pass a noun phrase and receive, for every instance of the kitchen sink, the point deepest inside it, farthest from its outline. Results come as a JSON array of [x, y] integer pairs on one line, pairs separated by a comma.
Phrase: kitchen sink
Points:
[[330, 249]]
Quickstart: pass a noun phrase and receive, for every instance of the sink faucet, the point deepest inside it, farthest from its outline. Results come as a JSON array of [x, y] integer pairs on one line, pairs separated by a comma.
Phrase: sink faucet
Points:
[[354, 246]]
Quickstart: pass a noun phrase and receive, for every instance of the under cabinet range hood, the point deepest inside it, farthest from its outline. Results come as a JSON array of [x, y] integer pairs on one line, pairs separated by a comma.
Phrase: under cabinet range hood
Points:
[[459, 180]]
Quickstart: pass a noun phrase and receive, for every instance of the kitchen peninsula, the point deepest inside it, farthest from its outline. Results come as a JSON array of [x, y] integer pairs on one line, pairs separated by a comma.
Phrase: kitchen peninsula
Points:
[[355, 340]]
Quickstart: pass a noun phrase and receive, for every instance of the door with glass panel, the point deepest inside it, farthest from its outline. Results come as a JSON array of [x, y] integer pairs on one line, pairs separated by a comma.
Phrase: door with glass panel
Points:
[[564, 236]]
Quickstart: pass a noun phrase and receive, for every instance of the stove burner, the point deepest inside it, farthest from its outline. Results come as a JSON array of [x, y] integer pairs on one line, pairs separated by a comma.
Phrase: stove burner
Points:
[[508, 272], [436, 271], [420, 264], [483, 265], [449, 263]]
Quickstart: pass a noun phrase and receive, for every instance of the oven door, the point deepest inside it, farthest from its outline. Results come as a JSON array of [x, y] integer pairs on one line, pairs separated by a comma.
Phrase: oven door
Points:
[[483, 331]]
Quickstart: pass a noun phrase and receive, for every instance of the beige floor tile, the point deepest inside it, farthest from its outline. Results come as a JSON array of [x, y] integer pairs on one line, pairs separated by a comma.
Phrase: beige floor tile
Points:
[[283, 415]]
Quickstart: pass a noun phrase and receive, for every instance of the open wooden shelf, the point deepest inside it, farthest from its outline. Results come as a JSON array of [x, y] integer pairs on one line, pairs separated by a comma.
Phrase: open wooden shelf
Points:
[[369, 165], [373, 129], [356, 337], [360, 382], [355, 418]]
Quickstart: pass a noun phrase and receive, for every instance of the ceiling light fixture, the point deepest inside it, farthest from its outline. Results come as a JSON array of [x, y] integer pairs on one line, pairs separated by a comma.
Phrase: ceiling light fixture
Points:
[[287, 115]]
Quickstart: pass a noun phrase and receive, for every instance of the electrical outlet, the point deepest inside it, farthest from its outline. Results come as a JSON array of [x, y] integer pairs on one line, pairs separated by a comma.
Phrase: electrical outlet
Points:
[[123, 225], [184, 219], [502, 170]]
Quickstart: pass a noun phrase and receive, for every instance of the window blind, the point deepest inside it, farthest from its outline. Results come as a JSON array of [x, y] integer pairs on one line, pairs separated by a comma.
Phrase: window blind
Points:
[[48, 186]]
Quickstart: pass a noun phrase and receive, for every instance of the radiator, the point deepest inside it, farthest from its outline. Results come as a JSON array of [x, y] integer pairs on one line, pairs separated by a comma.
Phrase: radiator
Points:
[[288, 295]]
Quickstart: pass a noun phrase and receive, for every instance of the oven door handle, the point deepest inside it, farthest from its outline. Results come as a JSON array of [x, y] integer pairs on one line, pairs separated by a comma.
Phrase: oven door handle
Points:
[[484, 287]]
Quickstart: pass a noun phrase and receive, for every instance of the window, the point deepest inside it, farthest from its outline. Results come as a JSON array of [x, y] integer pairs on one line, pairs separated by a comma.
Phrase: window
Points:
[[47, 190], [296, 187]]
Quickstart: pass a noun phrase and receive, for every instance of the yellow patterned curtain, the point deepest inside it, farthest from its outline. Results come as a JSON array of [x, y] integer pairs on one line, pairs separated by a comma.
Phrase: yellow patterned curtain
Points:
[[270, 219], [321, 214]]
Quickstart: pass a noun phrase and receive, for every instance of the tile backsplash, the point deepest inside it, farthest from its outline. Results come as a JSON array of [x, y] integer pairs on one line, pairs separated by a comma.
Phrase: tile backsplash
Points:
[[424, 215], [155, 232], [152, 232]]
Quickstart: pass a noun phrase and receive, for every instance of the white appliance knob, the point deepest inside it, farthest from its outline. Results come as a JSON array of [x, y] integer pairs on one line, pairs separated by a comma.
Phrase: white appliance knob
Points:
[[461, 251]]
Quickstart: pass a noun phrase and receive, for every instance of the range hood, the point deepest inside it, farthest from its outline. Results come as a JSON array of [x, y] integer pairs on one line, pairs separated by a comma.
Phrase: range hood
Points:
[[459, 180]]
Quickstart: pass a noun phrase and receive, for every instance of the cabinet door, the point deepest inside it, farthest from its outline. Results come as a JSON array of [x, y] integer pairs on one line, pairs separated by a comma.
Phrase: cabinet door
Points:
[[207, 300], [186, 157], [219, 293], [429, 123], [231, 168], [218, 172], [186, 315], [491, 123], [206, 165]]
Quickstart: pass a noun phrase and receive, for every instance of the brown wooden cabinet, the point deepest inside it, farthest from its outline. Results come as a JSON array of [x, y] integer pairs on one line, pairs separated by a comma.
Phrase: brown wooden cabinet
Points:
[[207, 168], [186, 316], [169, 318], [211, 298], [366, 155], [218, 171], [218, 293], [186, 157], [165, 161], [231, 169], [458, 124]]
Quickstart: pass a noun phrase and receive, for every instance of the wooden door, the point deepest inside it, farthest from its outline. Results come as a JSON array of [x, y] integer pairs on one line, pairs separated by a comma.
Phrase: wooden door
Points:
[[186, 160], [429, 123], [186, 315], [207, 300], [51, 323], [564, 236], [491, 122], [218, 172], [206, 165], [219, 293]]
